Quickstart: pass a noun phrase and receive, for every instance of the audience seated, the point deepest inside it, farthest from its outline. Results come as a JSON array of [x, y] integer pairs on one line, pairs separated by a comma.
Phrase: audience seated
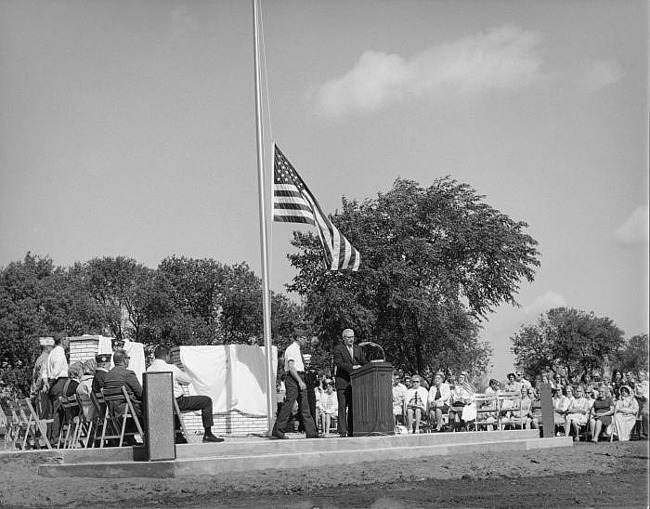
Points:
[[399, 400], [330, 406], [561, 401], [625, 412], [85, 387], [602, 411], [416, 405], [577, 414], [641, 394], [120, 376], [461, 395], [439, 399], [523, 416]]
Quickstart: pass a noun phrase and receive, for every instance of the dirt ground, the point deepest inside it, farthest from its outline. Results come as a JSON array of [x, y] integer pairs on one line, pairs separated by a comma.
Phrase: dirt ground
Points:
[[586, 475]]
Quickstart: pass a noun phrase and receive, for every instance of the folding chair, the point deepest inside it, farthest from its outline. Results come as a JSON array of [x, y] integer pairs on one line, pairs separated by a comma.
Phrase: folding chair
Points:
[[13, 426], [118, 421], [32, 425], [183, 429], [85, 425], [100, 420], [509, 410], [70, 422], [487, 411]]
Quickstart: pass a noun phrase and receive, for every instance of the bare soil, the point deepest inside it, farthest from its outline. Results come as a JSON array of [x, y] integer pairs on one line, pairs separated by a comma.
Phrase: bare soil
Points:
[[586, 475]]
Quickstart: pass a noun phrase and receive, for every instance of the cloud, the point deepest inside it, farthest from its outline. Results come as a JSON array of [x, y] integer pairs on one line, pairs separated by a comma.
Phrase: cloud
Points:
[[502, 58], [544, 302], [634, 229], [602, 74]]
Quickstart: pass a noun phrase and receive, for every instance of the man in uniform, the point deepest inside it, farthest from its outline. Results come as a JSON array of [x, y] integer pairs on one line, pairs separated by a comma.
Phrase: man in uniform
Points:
[[39, 387], [347, 357], [294, 367], [103, 361]]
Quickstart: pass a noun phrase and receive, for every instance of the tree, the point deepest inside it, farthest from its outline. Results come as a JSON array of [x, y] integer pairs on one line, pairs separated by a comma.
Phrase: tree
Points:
[[633, 356], [201, 301], [38, 299], [435, 262], [116, 286], [566, 338]]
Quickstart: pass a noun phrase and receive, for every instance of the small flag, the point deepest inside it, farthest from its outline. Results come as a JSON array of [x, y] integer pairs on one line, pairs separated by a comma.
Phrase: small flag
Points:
[[294, 203]]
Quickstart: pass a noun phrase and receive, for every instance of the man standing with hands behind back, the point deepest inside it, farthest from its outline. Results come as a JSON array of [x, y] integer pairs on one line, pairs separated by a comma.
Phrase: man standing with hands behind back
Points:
[[294, 366], [347, 357]]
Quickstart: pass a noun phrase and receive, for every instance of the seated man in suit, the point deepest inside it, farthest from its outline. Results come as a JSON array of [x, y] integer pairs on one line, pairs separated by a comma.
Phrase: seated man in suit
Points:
[[347, 357], [120, 376], [439, 399]]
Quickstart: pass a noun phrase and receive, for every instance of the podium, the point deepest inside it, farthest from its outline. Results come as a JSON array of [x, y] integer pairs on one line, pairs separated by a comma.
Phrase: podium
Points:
[[372, 399]]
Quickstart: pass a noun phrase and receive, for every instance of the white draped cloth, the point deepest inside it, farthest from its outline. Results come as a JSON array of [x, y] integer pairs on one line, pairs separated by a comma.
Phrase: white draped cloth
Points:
[[234, 376]]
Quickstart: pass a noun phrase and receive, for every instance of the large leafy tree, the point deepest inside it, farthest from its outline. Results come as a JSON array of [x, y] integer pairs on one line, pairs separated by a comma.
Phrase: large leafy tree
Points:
[[116, 285], [633, 356], [201, 301], [566, 338], [435, 261], [37, 299]]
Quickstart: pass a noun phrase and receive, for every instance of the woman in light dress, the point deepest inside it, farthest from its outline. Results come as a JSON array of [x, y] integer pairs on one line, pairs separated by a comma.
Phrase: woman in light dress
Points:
[[561, 401], [577, 413], [625, 412]]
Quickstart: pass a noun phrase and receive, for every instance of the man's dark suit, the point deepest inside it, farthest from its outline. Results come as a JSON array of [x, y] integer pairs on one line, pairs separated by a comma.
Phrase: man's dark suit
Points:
[[114, 380], [344, 364]]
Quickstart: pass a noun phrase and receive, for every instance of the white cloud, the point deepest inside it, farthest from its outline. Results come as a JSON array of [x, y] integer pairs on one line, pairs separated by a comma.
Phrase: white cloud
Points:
[[634, 229], [502, 58], [544, 302], [602, 74]]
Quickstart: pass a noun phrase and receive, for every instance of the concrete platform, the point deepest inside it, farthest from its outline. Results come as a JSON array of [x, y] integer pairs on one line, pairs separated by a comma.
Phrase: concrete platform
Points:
[[237, 454]]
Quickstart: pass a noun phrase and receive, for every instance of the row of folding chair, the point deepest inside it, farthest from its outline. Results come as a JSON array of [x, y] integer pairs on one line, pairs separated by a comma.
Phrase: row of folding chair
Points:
[[101, 427], [25, 430], [498, 411]]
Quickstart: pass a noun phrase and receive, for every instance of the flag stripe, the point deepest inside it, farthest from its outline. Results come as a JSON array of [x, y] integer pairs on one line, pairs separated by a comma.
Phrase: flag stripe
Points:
[[294, 203]]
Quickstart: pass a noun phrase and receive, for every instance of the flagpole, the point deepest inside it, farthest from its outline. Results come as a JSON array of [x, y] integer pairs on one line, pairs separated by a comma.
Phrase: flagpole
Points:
[[266, 287]]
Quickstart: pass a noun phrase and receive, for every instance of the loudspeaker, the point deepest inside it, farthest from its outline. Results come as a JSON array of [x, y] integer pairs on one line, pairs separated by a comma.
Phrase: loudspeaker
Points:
[[159, 416]]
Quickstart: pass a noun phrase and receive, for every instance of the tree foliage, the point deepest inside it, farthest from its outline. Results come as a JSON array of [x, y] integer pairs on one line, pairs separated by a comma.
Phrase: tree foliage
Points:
[[566, 338], [435, 261], [633, 356]]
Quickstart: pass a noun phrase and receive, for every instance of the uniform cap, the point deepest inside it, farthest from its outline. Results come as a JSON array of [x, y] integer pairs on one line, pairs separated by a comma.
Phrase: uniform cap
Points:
[[103, 357], [47, 341]]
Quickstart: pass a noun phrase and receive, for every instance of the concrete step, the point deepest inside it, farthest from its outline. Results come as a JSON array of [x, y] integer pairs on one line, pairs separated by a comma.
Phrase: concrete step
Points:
[[255, 446], [263, 454]]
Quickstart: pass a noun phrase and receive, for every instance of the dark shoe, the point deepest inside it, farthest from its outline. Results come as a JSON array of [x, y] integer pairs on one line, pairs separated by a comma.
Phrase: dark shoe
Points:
[[212, 438], [180, 440], [278, 434], [343, 435]]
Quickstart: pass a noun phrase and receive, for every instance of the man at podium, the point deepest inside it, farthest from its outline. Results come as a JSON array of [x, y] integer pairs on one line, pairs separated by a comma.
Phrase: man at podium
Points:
[[347, 357]]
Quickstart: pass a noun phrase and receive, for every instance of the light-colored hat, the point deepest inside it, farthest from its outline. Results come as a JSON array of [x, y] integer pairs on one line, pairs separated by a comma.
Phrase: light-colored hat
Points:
[[46, 341]]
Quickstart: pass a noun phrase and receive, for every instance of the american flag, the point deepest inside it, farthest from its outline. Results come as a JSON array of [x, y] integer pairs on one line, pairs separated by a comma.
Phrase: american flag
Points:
[[294, 203]]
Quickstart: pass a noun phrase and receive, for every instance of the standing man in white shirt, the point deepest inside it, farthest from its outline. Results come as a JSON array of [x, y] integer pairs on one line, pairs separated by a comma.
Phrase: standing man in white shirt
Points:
[[294, 367], [185, 403], [57, 375]]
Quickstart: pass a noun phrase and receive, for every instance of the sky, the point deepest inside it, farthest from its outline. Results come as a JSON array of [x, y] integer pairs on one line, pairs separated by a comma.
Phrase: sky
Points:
[[128, 129]]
